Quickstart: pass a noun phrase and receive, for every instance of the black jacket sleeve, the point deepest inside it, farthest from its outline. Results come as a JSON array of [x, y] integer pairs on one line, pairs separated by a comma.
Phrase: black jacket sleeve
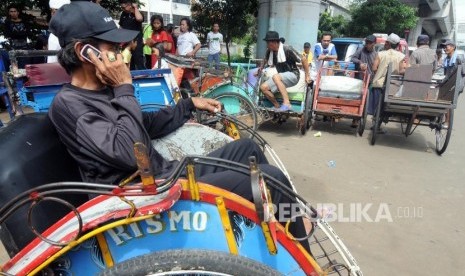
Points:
[[167, 120]]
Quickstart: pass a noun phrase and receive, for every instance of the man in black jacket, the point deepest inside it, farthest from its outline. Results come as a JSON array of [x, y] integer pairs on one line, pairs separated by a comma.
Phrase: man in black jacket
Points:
[[99, 119]]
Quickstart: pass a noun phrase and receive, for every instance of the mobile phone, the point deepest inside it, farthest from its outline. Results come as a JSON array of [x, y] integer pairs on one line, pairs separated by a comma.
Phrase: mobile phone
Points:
[[85, 55]]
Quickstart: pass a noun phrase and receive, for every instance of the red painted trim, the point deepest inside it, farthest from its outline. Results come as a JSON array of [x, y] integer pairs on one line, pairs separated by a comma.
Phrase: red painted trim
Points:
[[166, 203]]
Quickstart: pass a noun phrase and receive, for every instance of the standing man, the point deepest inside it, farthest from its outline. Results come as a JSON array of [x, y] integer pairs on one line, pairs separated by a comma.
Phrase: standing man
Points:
[[131, 19], [424, 54], [380, 66], [188, 43], [451, 61], [363, 59], [53, 43], [324, 51], [214, 40], [285, 61]]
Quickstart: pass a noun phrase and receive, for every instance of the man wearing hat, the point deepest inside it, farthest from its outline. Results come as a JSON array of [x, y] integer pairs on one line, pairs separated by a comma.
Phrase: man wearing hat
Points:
[[285, 61], [451, 61], [424, 54], [380, 66], [363, 59], [98, 118]]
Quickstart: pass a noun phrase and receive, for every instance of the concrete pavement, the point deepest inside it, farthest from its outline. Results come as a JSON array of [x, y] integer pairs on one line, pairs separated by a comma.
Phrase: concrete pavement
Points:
[[399, 177]]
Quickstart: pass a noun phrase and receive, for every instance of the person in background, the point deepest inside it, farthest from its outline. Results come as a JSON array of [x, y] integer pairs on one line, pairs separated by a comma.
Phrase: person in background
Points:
[[18, 30], [188, 43], [126, 53], [324, 51], [285, 61], [131, 19], [424, 54], [214, 40], [307, 53], [363, 59], [147, 50], [380, 66], [53, 43], [451, 61], [158, 35], [439, 56], [172, 39]]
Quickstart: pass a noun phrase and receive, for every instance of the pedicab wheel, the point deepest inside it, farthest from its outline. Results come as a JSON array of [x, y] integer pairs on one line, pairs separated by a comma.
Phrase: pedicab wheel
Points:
[[242, 109], [190, 262], [377, 121], [363, 119], [443, 133], [306, 119]]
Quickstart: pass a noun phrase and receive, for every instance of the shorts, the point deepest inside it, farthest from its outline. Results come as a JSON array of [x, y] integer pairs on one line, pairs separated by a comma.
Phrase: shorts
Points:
[[289, 79]]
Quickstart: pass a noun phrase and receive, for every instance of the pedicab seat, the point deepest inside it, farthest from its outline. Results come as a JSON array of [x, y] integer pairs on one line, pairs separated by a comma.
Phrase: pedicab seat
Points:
[[341, 87], [32, 155]]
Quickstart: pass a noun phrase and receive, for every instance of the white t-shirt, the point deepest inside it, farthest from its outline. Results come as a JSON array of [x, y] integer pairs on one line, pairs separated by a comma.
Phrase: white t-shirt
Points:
[[214, 41], [186, 43], [53, 44]]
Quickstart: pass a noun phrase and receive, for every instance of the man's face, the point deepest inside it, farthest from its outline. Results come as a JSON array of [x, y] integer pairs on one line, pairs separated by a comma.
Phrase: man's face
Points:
[[14, 14], [449, 49], [183, 27], [307, 50], [273, 45], [325, 40], [216, 27], [126, 7], [370, 46]]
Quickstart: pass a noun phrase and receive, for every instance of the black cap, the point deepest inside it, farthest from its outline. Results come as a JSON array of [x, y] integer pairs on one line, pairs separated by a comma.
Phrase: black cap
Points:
[[307, 45], [423, 39], [271, 36], [370, 38], [447, 42], [82, 19]]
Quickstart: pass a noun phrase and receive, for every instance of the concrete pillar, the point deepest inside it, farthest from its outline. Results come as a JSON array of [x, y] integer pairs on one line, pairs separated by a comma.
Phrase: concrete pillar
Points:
[[295, 20]]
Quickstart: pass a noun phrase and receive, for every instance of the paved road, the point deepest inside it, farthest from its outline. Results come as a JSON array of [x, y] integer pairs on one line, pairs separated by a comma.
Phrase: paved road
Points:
[[422, 192], [402, 178]]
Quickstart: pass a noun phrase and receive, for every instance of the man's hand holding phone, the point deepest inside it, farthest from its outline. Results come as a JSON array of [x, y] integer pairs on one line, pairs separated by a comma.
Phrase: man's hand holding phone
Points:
[[110, 68]]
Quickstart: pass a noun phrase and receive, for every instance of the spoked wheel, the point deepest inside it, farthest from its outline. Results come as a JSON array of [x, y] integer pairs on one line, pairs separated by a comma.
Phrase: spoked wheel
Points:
[[377, 120], [443, 132], [190, 262], [306, 119], [363, 120], [242, 109]]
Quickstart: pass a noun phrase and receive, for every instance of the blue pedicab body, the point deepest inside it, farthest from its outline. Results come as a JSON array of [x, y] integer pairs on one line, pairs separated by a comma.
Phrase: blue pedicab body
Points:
[[127, 224]]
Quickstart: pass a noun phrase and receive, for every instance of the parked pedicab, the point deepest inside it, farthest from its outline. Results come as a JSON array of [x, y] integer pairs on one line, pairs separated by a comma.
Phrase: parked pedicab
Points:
[[173, 226], [201, 79], [341, 92], [414, 99]]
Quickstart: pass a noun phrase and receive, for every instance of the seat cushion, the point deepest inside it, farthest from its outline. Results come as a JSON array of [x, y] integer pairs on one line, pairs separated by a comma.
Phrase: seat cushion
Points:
[[341, 87]]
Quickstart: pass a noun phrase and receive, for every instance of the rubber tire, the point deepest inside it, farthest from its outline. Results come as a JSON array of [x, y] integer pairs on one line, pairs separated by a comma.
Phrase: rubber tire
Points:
[[190, 259], [363, 119], [377, 122], [247, 102], [440, 150], [307, 114]]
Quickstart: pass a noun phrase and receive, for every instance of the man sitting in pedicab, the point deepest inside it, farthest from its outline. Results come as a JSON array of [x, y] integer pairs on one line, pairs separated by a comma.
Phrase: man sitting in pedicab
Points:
[[99, 119], [285, 61]]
